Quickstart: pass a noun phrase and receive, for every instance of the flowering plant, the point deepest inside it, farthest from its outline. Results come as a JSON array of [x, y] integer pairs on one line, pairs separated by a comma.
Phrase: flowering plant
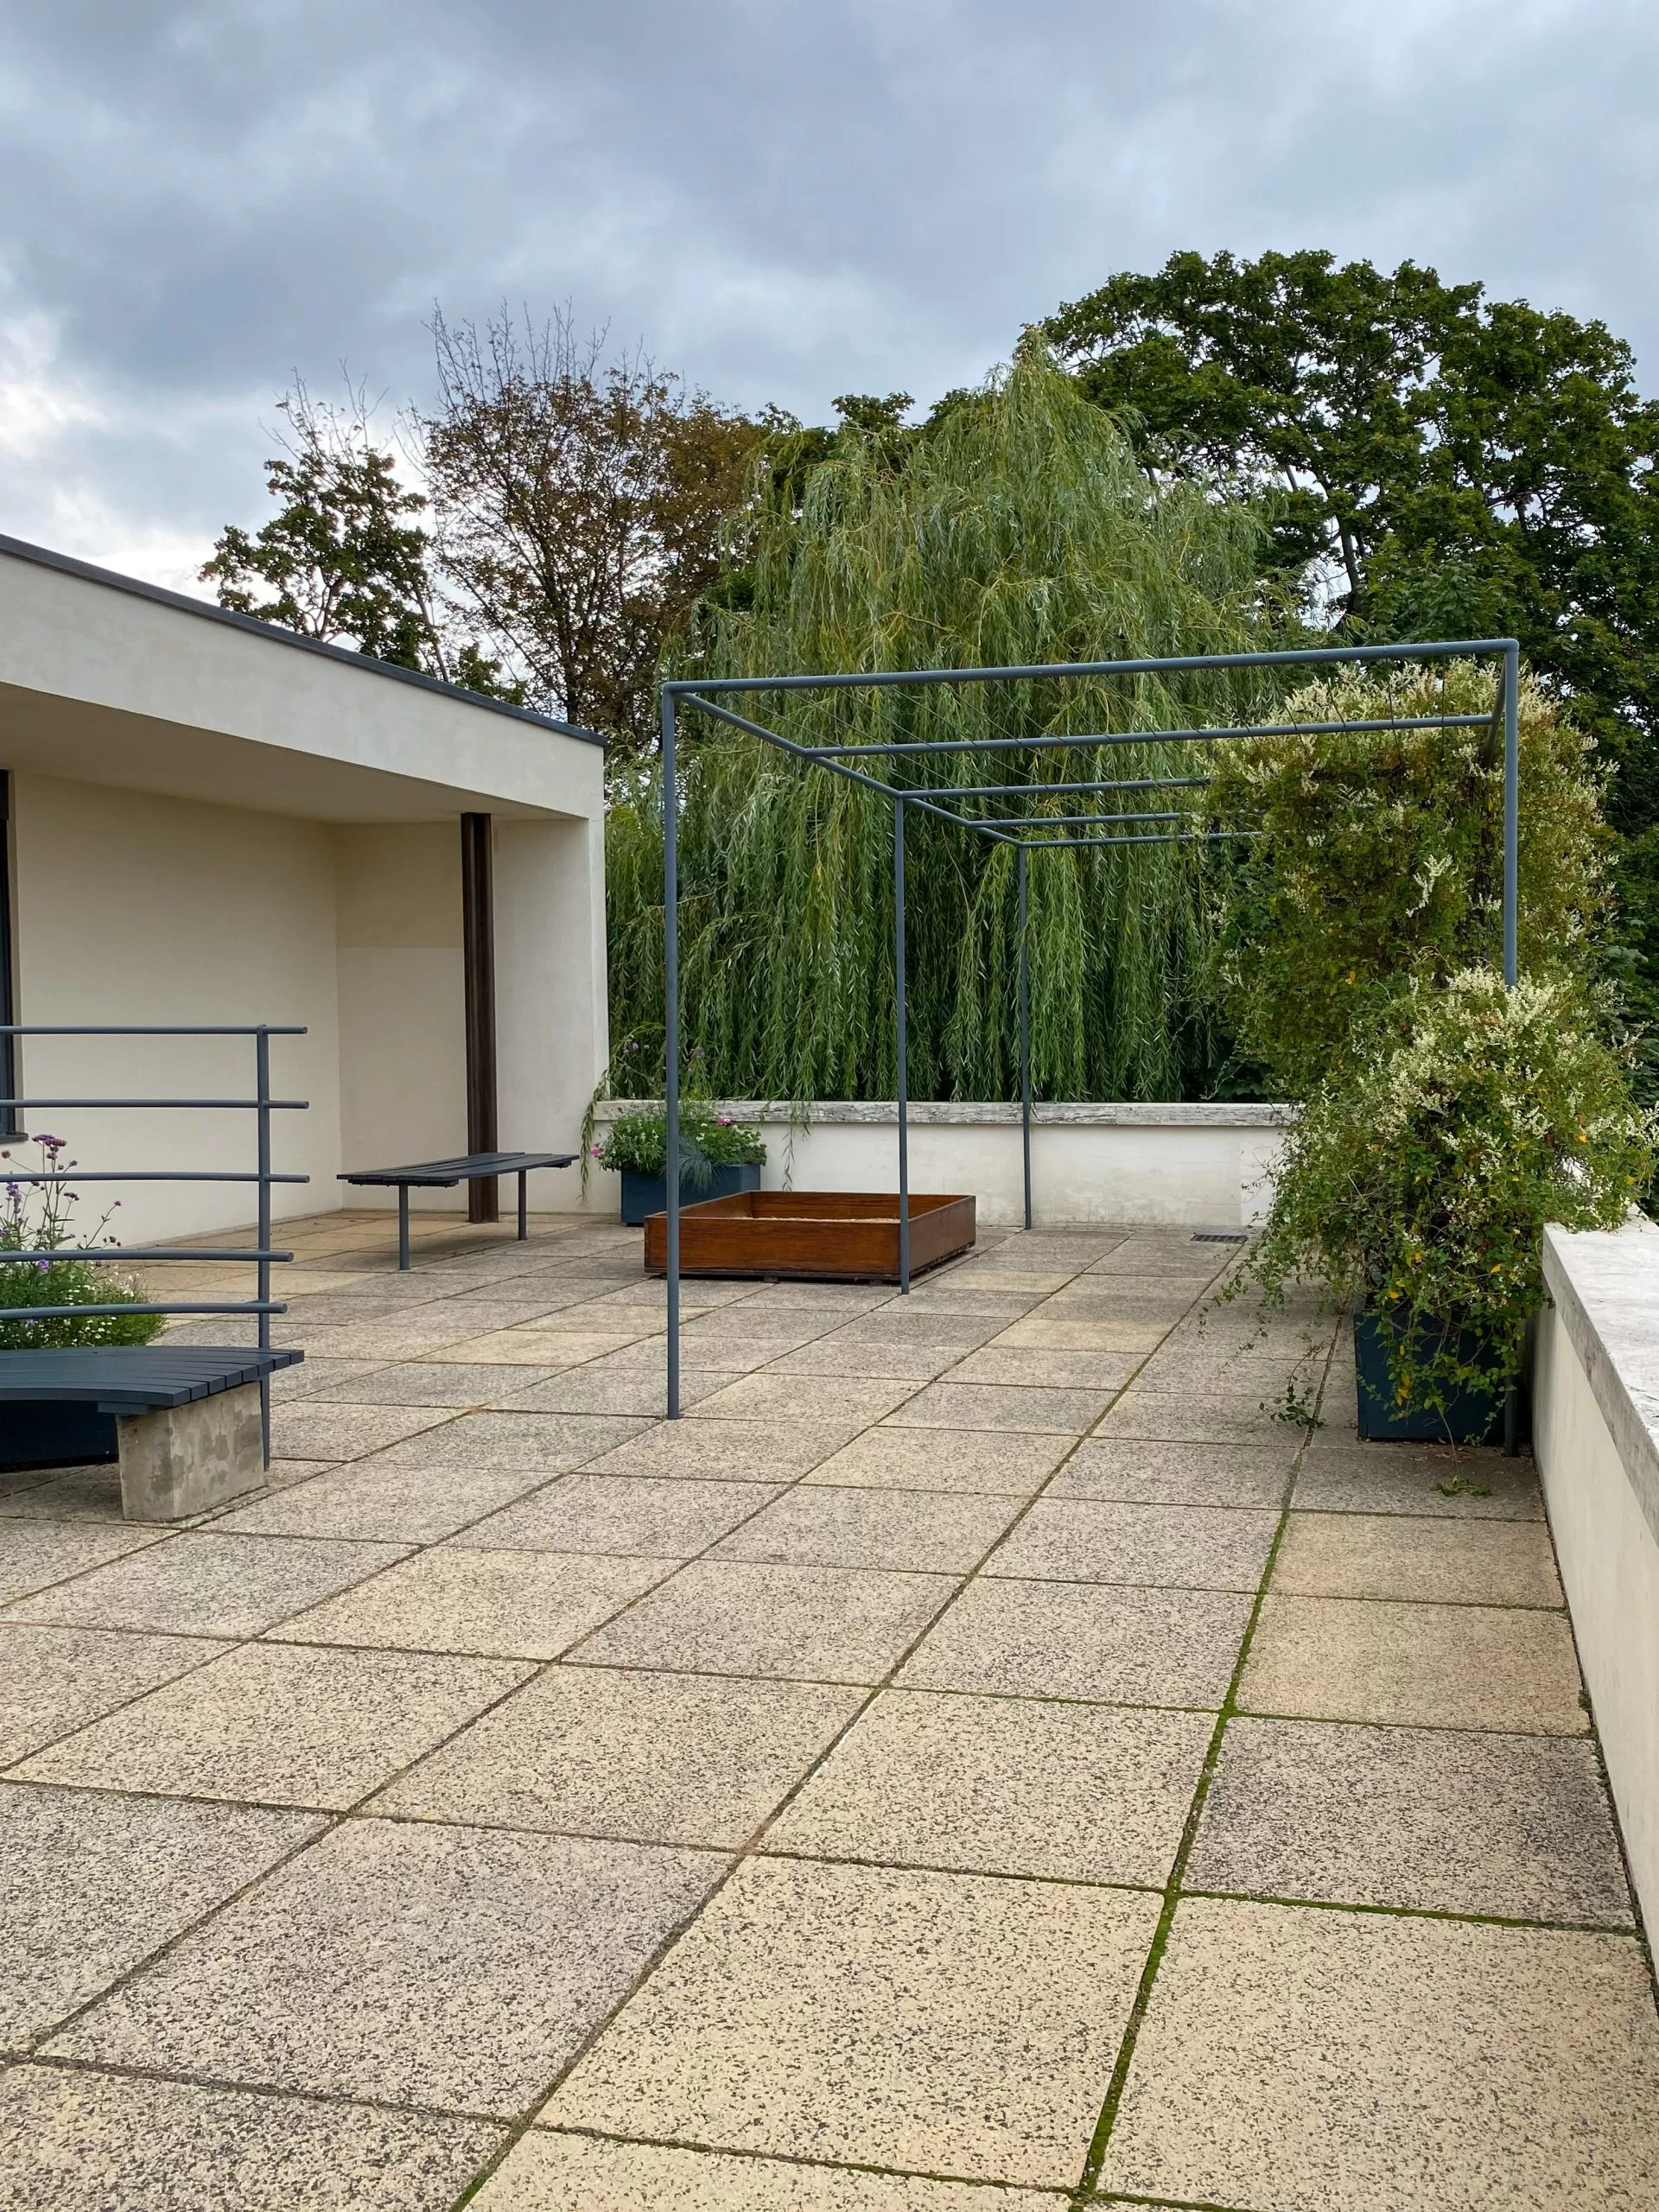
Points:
[[637, 1142], [37, 1217], [1419, 1178]]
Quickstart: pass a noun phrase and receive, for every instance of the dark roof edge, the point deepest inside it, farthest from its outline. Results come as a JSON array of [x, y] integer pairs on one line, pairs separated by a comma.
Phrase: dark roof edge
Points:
[[43, 557]]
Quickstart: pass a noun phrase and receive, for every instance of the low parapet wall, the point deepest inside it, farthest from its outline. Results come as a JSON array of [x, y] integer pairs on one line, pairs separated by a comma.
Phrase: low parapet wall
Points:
[[1596, 1432], [1196, 1166]]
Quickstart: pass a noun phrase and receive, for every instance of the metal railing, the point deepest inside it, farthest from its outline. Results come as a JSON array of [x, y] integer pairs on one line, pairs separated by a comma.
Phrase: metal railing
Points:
[[260, 1254]]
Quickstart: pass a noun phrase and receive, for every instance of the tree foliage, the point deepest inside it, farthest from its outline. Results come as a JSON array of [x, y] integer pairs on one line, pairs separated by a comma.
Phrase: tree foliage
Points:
[[579, 506], [344, 557], [1377, 861], [1018, 529], [1440, 464]]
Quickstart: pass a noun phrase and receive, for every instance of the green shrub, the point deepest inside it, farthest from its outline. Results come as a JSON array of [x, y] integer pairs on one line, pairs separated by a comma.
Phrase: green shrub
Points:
[[38, 1218], [1419, 1179], [637, 1142], [1381, 858]]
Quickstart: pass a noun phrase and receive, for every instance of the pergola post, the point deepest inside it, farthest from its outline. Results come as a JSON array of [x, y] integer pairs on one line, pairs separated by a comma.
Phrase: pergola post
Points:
[[1025, 1040], [901, 1044], [671, 1042]]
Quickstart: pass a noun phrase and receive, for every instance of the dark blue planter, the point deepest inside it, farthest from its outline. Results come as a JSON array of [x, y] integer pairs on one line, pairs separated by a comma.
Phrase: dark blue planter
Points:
[[54, 1436], [644, 1194], [1471, 1417]]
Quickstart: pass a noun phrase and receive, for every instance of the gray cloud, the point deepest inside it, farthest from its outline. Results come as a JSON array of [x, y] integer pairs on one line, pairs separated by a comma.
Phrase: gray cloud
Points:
[[786, 198]]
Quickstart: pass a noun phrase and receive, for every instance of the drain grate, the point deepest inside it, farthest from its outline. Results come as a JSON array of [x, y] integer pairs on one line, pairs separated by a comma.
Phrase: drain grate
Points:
[[1219, 1236]]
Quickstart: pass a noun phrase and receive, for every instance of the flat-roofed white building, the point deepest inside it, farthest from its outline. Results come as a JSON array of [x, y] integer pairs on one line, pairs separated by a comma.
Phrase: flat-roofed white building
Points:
[[212, 820]]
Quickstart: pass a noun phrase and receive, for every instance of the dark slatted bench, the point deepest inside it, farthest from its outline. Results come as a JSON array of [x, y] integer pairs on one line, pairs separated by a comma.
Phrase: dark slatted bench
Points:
[[182, 1420], [470, 1167]]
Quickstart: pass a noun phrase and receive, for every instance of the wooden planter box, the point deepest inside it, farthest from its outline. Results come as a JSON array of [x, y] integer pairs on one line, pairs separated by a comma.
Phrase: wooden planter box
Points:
[[824, 1235]]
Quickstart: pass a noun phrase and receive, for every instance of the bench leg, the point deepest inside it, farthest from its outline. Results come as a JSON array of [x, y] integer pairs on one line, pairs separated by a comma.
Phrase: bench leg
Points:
[[402, 1226], [189, 1458], [524, 1204]]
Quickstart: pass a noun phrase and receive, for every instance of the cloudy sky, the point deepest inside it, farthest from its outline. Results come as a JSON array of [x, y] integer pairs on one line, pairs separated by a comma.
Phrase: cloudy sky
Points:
[[784, 198]]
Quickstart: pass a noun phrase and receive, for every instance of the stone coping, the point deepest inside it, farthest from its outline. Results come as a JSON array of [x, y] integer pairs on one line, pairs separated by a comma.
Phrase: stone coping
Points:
[[986, 1113], [1606, 1285]]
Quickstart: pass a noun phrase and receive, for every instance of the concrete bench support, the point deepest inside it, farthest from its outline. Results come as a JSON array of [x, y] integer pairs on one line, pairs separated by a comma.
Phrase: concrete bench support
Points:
[[186, 1459]]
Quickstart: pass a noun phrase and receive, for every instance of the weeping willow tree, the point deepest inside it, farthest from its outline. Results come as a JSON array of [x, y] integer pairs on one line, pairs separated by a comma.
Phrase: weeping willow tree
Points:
[[1019, 530]]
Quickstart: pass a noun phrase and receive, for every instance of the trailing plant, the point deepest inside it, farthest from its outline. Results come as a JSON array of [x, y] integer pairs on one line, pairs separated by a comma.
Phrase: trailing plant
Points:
[[1017, 528], [1380, 858], [1420, 1176], [637, 1143], [39, 1218]]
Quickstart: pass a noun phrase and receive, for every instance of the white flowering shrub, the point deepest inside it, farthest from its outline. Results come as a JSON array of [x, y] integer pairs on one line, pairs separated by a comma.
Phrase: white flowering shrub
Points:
[[1419, 1179]]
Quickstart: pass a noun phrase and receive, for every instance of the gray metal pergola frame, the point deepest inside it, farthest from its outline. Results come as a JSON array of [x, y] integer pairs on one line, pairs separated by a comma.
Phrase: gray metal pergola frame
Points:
[[1012, 828]]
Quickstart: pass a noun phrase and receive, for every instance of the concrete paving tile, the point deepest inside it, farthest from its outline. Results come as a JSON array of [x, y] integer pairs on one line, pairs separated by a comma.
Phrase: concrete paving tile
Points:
[[1051, 1330], [807, 1623], [1101, 1298], [925, 1531], [90, 1884], [205, 1584], [548, 1444], [1418, 1478], [406, 1335], [313, 1376], [667, 1518], [312, 1430], [1192, 1547], [514, 1605], [457, 1384], [842, 1300], [907, 1323], [1084, 1793], [968, 1405], [935, 2021], [1429, 1665], [549, 1351], [728, 1451], [1225, 1371], [654, 1758], [446, 1966], [280, 1724], [1002, 1464], [550, 2172], [91, 1493], [777, 1397], [1387, 1556], [33, 1553], [53, 1679], [607, 1386], [902, 1359], [1516, 1827], [1001, 1364], [1085, 1640], [948, 1295], [414, 1505], [1189, 1417], [1135, 1473], [82, 2142], [1346, 2061]]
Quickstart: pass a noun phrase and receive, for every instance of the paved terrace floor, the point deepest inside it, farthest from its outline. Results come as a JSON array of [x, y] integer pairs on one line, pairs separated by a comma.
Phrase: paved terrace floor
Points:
[[979, 1759]]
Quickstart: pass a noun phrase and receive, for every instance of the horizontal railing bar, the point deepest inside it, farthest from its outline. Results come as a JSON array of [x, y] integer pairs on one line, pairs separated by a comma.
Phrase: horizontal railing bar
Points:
[[148, 1029], [786, 745], [1059, 740], [69, 1312], [1080, 821], [119, 1253], [10, 1175], [1168, 837], [1069, 790], [1313, 656], [251, 1105]]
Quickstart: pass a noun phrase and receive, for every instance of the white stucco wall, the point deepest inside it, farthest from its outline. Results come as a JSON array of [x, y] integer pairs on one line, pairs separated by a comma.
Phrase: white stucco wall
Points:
[[1596, 1434], [403, 1073], [1206, 1166], [131, 908]]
